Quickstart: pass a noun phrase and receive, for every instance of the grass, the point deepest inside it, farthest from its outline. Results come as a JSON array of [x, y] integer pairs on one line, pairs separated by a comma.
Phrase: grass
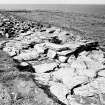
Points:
[[18, 88], [87, 25]]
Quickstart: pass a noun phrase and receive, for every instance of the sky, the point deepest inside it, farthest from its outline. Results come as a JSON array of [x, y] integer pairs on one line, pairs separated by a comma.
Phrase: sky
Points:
[[52, 1], [55, 5]]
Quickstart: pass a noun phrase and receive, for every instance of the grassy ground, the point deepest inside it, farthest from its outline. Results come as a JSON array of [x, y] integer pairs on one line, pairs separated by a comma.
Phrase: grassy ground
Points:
[[18, 88], [88, 25]]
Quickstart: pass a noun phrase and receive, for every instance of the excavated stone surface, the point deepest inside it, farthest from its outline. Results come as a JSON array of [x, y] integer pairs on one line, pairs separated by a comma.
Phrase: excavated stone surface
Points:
[[65, 67]]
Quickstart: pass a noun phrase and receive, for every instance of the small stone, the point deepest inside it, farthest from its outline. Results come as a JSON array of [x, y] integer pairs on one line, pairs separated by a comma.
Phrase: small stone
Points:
[[7, 35], [101, 73], [24, 64], [51, 53], [62, 59], [27, 33], [64, 65], [97, 56], [84, 53], [39, 48], [10, 50], [52, 29], [78, 38]]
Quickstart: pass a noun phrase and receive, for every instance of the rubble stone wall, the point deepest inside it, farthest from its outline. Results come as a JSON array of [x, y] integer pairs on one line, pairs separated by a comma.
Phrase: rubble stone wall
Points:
[[65, 65]]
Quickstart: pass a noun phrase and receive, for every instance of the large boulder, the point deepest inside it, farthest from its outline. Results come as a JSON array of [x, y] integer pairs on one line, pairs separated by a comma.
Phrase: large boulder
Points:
[[87, 66], [69, 77]]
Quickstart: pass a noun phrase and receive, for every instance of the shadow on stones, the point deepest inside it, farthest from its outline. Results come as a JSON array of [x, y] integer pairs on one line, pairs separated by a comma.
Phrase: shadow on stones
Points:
[[55, 40]]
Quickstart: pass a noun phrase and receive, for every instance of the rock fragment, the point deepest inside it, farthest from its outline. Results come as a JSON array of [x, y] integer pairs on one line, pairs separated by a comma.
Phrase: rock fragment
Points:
[[46, 67], [87, 66], [27, 56], [64, 65], [71, 59], [51, 53], [39, 48], [62, 59], [97, 55], [24, 64], [85, 90], [99, 84], [58, 47], [60, 91], [25, 67], [10, 50], [53, 30], [43, 78], [64, 53], [101, 73]]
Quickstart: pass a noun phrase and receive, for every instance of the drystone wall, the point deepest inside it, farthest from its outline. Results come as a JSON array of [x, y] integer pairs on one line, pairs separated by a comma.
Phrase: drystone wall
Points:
[[65, 64]]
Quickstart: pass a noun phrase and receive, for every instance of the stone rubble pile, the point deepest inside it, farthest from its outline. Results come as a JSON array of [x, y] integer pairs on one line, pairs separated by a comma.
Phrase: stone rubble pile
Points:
[[11, 26], [68, 67]]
